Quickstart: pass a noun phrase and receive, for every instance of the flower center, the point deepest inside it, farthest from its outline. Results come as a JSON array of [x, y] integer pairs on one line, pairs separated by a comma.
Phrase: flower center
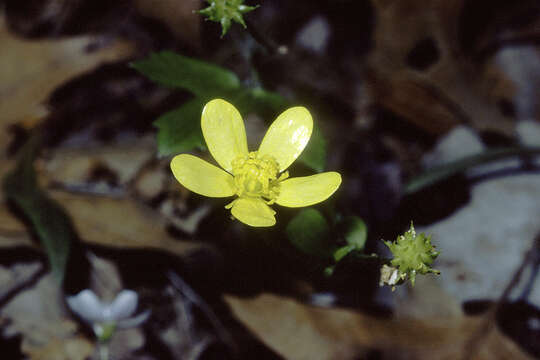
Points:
[[257, 177]]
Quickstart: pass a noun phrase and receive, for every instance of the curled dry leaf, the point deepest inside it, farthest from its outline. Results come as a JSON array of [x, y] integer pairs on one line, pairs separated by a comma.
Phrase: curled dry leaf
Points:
[[419, 75], [73, 167], [120, 223], [31, 69]]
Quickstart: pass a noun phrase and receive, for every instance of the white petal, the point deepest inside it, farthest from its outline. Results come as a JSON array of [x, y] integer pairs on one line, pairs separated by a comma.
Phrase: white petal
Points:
[[87, 305], [123, 306], [133, 321]]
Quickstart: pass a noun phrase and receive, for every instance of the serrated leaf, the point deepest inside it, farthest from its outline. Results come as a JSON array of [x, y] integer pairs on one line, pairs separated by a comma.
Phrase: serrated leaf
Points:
[[179, 130], [199, 77], [308, 232], [48, 219]]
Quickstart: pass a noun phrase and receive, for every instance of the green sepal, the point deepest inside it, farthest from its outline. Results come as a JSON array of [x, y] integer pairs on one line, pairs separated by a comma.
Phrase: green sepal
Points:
[[104, 331]]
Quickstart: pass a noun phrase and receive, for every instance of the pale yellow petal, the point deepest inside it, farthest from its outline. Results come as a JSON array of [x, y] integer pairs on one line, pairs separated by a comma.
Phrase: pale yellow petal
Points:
[[224, 132], [308, 190], [287, 136], [201, 177], [253, 212]]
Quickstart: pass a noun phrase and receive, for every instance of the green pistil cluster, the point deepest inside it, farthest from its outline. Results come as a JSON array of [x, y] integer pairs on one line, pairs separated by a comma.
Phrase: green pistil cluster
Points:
[[254, 177], [413, 254], [225, 12]]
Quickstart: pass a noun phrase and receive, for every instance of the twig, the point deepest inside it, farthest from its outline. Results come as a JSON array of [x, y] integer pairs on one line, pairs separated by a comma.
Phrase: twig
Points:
[[97, 190], [270, 45], [190, 294], [475, 342]]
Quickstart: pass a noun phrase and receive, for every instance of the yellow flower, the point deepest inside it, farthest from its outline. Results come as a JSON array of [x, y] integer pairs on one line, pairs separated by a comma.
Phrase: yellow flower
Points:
[[258, 178]]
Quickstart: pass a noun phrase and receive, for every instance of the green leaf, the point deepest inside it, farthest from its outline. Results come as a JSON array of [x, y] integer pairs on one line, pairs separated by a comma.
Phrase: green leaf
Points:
[[314, 155], [343, 251], [267, 101], [177, 133], [47, 218], [199, 77], [179, 130], [308, 232], [355, 232], [329, 270]]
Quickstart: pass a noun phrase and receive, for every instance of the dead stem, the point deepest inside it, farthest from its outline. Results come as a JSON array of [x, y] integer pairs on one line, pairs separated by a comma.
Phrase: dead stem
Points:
[[475, 342], [270, 45]]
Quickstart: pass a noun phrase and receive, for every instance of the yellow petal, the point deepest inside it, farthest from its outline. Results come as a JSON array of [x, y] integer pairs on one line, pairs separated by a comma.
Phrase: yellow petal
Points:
[[224, 132], [308, 190], [253, 212], [201, 177], [287, 136]]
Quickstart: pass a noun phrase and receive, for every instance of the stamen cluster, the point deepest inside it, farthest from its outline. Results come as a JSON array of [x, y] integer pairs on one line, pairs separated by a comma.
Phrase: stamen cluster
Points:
[[254, 177]]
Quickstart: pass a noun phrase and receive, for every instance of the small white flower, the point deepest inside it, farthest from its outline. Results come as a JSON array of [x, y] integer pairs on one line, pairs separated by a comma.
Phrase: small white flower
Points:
[[105, 317]]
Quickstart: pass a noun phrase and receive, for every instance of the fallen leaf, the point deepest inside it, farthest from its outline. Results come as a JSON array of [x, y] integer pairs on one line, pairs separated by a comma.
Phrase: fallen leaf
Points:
[[438, 89], [179, 15], [31, 69], [48, 333], [300, 331], [74, 166], [76, 347], [120, 222]]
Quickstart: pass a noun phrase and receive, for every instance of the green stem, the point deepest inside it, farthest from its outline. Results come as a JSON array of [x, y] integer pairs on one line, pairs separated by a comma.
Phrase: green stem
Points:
[[103, 350], [452, 168], [265, 41]]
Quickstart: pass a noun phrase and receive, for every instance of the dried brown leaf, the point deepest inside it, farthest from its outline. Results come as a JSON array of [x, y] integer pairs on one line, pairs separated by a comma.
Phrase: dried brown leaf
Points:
[[179, 15], [441, 93], [47, 331], [120, 222], [299, 331], [31, 69]]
